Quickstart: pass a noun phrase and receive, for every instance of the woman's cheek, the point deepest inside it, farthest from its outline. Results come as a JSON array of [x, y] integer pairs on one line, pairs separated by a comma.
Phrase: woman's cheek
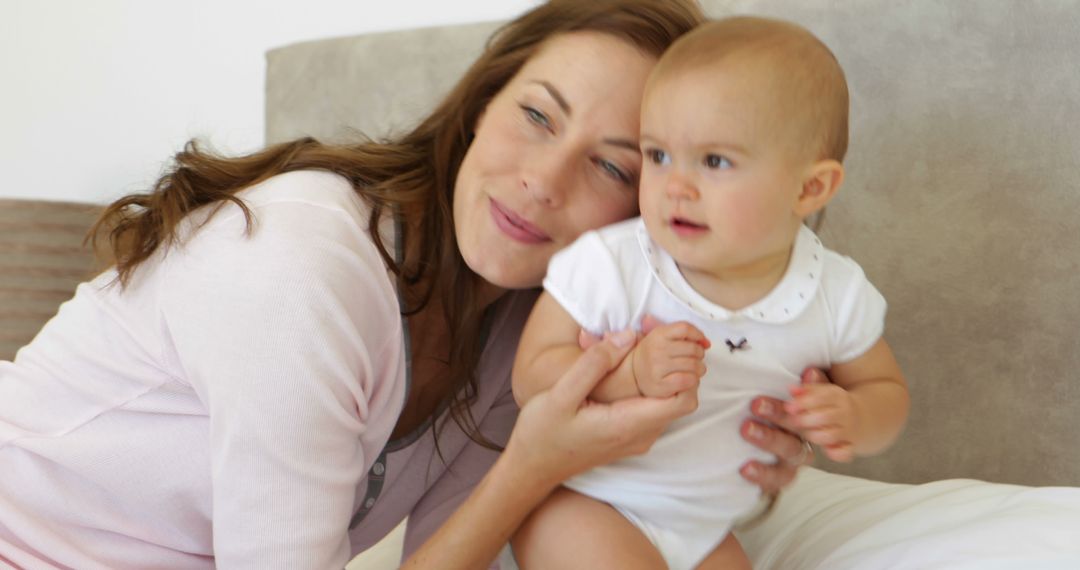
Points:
[[611, 211]]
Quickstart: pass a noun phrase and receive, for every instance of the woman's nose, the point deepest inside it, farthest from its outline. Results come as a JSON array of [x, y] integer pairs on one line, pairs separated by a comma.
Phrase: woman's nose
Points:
[[546, 177]]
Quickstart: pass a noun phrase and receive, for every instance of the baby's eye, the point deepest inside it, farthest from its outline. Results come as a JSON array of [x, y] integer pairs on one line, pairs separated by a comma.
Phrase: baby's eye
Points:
[[657, 156], [536, 116], [716, 161]]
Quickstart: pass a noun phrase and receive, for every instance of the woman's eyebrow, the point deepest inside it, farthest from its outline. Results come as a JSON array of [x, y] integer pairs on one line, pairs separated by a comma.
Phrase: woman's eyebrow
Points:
[[556, 95], [561, 101]]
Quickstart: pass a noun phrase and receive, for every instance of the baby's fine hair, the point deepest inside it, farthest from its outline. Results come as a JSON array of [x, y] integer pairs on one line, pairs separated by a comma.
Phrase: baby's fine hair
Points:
[[807, 86]]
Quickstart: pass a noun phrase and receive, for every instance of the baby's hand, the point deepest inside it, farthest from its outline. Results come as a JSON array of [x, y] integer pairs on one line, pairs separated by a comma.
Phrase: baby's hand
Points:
[[825, 415], [669, 360]]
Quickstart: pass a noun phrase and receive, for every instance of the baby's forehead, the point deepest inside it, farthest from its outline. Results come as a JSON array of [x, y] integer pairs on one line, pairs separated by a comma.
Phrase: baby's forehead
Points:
[[780, 70], [748, 85], [746, 45], [712, 103], [752, 44]]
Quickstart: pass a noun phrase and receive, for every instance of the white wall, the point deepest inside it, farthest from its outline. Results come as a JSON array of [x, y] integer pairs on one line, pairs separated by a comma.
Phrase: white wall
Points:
[[95, 95]]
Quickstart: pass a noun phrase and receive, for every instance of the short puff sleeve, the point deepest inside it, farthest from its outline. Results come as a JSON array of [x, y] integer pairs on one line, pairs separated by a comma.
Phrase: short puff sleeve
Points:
[[586, 280], [856, 307]]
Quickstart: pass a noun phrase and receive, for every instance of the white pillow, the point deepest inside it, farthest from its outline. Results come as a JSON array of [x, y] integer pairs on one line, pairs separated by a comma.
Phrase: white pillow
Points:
[[835, 522]]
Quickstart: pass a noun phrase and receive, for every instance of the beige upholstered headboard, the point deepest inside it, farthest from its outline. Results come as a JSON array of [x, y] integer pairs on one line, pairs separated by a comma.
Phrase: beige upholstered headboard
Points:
[[961, 201], [41, 262]]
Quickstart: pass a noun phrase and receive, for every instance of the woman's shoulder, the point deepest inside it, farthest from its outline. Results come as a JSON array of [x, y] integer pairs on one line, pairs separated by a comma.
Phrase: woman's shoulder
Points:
[[307, 243], [311, 222], [307, 206], [312, 187]]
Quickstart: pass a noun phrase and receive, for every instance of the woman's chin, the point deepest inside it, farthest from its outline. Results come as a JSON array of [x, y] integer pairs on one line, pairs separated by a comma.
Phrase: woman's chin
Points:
[[513, 281], [506, 275]]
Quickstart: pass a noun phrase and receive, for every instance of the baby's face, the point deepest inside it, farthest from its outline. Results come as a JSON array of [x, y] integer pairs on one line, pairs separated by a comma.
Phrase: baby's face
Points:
[[718, 189]]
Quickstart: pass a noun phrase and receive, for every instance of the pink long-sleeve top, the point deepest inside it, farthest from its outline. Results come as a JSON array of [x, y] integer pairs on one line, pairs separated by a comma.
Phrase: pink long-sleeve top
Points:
[[232, 405]]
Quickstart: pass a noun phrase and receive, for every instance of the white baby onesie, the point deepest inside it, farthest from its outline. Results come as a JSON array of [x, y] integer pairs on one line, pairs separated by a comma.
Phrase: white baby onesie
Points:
[[686, 492]]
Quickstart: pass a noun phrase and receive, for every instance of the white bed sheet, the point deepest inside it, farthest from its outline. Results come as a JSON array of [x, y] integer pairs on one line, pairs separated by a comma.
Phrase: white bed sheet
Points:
[[826, 521], [834, 522]]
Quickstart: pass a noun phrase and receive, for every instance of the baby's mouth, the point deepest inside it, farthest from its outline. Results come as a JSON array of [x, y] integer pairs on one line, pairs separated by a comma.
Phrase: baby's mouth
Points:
[[685, 224]]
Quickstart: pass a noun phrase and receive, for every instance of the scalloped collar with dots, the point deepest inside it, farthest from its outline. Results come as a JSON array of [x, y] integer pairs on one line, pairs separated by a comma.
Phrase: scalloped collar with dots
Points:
[[784, 303]]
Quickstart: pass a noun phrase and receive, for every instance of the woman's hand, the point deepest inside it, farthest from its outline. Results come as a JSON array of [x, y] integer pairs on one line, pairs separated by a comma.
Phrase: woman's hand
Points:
[[558, 434], [773, 430], [561, 433]]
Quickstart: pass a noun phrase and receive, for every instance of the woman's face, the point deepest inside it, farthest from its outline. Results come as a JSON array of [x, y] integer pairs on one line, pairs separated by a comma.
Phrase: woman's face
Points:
[[555, 154]]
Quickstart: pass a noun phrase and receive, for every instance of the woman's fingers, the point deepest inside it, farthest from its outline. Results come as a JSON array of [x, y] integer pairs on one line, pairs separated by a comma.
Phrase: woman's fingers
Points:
[[787, 447], [661, 411], [770, 478], [627, 427], [559, 432], [813, 376], [586, 339], [640, 421], [574, 387], [779, 439], [649, 323], [791, 452], [771, 410]]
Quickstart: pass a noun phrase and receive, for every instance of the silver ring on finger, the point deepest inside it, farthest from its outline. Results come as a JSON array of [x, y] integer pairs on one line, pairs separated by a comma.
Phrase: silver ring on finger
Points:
[[806, 451]]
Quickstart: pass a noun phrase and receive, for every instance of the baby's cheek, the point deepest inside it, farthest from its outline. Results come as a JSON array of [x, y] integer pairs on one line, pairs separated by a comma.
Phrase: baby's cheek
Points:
[[749, 220]]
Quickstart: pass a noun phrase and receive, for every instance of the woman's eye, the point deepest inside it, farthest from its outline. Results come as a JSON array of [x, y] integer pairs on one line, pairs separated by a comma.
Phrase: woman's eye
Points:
[[657, 156], [614, 171], [716, 161], [536, 116]]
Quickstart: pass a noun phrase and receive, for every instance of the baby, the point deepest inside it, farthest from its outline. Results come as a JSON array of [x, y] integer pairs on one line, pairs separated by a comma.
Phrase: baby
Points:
[[743, 130]]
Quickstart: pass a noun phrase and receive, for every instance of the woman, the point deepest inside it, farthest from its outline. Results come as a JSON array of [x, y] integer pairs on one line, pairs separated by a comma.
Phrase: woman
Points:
[[299, 348]]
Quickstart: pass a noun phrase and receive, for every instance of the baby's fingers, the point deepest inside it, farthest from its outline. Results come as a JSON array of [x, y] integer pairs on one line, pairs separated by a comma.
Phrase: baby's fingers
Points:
[[683, 330], [687, 364], [678, 382], [825, 436], [685, 349], [811, 396], [819, 418], [840, 452]]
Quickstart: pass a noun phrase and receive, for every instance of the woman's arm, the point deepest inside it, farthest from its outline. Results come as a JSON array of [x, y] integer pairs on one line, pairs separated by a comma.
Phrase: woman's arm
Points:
[[559, 433], [549, 347], [282, 335]]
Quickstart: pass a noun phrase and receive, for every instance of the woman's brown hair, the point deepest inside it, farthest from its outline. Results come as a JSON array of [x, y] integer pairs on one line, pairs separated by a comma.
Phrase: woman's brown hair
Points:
[[410, 177]]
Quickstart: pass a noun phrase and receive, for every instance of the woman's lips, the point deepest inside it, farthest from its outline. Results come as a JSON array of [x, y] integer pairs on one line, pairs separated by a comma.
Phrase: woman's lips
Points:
[[515, 226]]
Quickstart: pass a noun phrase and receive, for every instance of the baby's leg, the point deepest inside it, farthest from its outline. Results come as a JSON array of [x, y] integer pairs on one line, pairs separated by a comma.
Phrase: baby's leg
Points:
[[728, 555], [571, 530]]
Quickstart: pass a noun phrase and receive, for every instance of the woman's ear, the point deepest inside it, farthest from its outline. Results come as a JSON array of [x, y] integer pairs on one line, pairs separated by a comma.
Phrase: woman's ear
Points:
[[819, 186]]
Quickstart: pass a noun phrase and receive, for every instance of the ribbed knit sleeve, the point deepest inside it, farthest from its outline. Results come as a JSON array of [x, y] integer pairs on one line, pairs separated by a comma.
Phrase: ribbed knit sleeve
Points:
[[291, 337]]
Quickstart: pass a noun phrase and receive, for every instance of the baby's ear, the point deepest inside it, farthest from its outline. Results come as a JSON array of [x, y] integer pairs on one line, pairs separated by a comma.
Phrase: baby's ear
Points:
[[820, 184]]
